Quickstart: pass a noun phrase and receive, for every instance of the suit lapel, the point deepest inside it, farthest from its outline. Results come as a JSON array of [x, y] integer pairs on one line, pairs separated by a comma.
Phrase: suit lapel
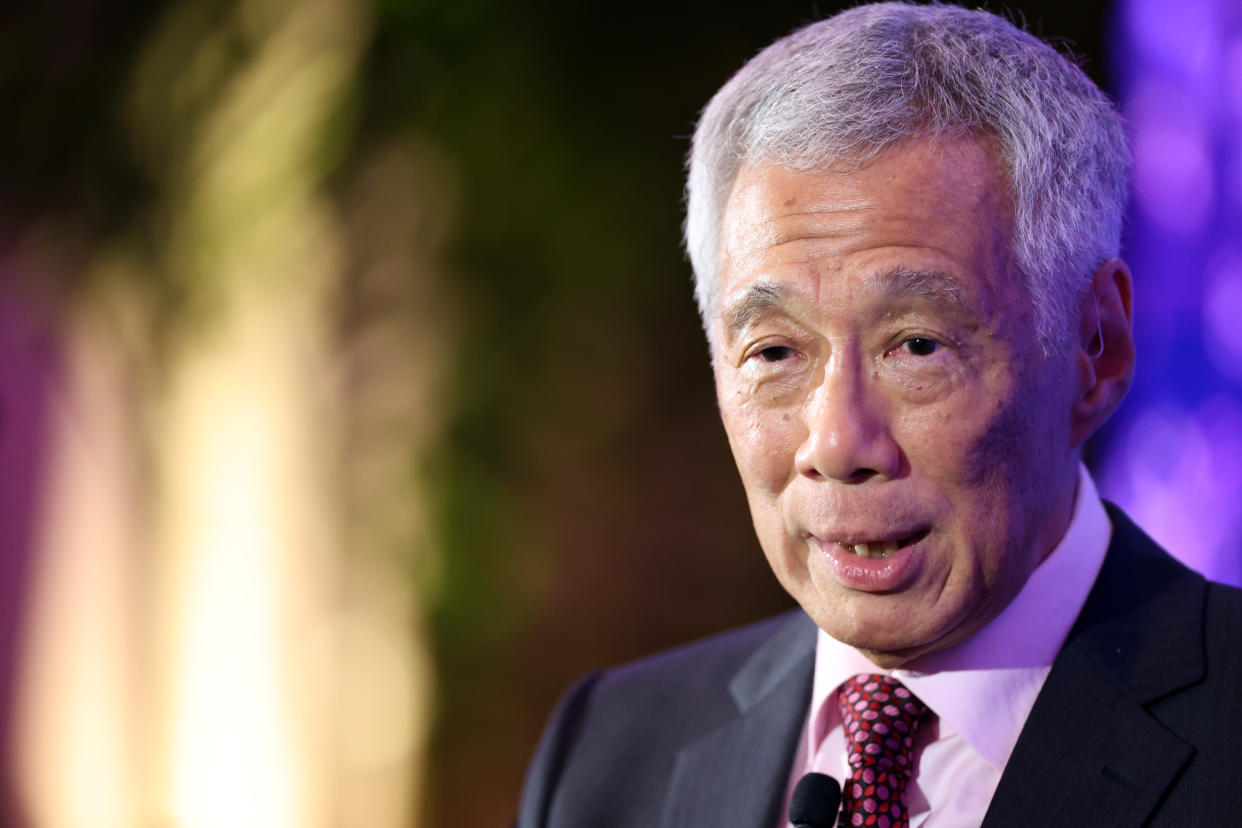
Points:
[[1090, 753], [736, 774]]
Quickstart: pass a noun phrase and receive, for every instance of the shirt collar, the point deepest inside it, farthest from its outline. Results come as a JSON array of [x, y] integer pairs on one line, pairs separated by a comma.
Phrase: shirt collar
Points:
[[984, 687]]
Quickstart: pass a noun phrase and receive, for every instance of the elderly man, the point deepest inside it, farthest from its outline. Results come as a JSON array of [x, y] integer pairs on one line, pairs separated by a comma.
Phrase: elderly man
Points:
[[904, 223]]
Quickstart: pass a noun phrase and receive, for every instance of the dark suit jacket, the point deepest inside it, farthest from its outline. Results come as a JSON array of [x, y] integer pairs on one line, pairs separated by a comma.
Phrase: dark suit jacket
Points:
[[1138, 724]]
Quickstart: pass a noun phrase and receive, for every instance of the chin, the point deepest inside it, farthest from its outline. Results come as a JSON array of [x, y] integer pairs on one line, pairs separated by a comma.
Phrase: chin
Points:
[[891, 653], [880, 626], [885, 651]]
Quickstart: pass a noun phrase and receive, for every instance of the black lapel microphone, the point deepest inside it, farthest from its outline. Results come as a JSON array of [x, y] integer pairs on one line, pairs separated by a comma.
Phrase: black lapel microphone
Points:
[[814, 801]]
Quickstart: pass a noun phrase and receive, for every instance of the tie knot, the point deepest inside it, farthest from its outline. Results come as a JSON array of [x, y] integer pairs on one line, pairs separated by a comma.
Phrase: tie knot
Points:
[[880, 717]]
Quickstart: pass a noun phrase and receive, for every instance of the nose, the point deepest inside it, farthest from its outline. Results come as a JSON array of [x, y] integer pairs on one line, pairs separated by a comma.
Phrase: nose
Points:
[[848, 437]]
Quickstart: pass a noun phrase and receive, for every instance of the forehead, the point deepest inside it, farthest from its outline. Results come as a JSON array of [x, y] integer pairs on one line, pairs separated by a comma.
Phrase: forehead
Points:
[[925, 206]]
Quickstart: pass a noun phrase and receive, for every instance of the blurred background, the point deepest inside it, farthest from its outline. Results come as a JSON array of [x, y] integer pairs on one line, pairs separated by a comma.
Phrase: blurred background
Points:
[[353, 401]]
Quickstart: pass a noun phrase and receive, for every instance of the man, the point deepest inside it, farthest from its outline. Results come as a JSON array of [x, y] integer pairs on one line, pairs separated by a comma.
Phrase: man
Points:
[[904, 223]]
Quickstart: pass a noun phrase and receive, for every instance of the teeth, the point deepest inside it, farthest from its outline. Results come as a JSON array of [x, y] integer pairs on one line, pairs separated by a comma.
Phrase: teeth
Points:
[[877, 549]]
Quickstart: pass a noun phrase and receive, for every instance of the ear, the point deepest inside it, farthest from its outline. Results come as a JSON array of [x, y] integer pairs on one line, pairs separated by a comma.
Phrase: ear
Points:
[[1105, 352]]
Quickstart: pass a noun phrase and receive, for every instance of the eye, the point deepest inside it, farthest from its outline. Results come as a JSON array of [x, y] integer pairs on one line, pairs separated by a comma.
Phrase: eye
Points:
[[775, 353], [920, 346]]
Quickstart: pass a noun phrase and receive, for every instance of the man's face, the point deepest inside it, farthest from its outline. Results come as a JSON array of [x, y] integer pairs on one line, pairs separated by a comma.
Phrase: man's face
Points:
[[905, 446]]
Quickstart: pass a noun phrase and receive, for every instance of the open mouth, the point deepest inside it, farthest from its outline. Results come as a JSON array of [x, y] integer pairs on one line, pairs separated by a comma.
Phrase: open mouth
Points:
[[883, 549]]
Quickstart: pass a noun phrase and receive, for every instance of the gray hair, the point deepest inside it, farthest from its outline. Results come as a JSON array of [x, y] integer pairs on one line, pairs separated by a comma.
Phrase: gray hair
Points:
[[849, 87]]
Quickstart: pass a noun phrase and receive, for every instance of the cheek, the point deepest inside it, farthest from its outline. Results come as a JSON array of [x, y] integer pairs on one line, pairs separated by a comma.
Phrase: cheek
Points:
[[971, 439], [764, 444], [940, 443], [1024, 440]]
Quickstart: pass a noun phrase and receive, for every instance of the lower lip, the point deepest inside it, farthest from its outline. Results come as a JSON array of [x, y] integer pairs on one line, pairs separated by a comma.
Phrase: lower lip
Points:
[[873, 574]]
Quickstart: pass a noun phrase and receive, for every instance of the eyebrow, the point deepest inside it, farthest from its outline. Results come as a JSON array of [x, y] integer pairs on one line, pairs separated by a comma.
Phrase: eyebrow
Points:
[[936, 287], [758, 299]]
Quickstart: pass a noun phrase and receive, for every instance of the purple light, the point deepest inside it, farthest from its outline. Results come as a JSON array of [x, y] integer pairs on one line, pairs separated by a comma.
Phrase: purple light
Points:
[[1172, 165], [1235, 178], [1222, 309], [1232, 76], [1175, 460], [1182, 36], [1173, 175], [1178, 475]]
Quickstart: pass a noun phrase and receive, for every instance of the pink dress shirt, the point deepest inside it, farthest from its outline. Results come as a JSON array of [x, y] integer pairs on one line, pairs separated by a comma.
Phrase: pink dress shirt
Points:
[[980, 691]]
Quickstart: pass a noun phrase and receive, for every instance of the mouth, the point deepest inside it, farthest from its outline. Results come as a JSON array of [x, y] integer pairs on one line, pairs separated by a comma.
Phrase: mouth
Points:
[[882, 548]]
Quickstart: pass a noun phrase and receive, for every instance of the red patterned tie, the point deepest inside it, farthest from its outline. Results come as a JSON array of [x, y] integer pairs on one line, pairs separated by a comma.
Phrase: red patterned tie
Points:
[[880, 717]]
